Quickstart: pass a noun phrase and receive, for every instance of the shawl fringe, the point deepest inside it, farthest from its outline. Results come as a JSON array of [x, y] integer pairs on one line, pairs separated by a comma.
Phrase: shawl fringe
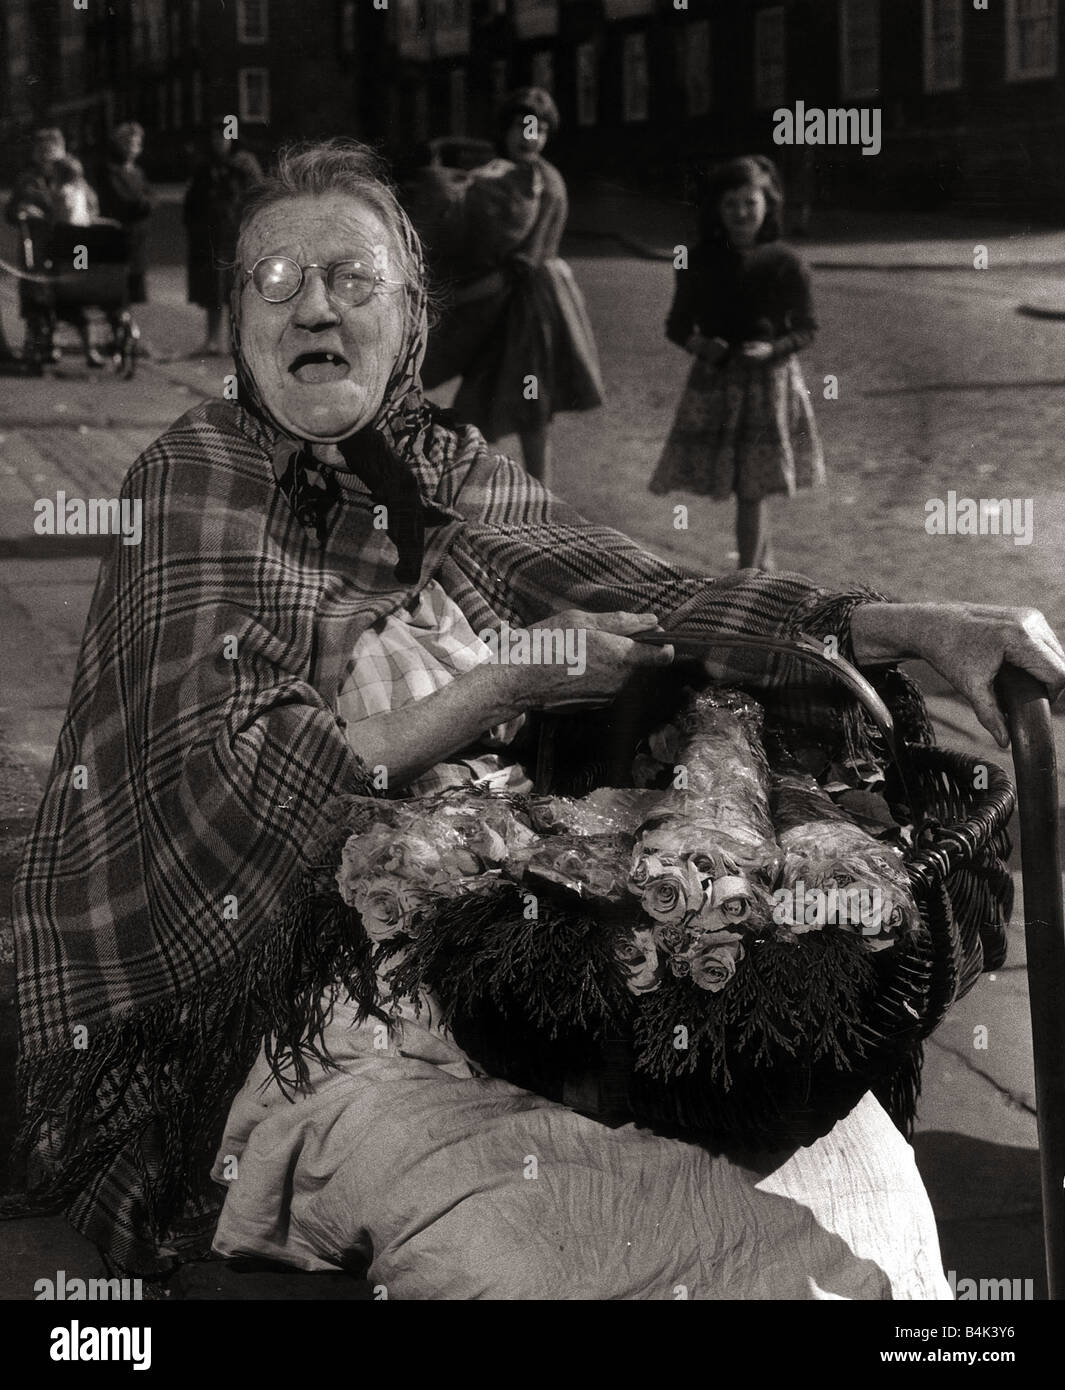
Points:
[[158, 1083]]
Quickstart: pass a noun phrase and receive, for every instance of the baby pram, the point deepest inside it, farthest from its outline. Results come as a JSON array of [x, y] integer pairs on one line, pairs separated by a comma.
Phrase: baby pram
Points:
[[68, 269]]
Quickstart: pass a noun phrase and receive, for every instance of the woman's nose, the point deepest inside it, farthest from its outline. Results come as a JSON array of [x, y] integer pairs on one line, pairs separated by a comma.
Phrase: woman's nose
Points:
[[313, 305]]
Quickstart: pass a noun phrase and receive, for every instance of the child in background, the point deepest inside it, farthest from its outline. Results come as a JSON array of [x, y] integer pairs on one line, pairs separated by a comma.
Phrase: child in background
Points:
[[742, 308], [75, 202]]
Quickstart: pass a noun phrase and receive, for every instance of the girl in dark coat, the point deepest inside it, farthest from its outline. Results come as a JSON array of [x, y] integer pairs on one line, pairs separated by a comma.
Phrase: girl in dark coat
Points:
[[743, 309], [515, 327], [214, 201]]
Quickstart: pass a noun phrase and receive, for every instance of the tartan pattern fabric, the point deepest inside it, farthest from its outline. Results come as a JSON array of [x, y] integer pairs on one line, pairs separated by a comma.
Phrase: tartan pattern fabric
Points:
[[202, 742]]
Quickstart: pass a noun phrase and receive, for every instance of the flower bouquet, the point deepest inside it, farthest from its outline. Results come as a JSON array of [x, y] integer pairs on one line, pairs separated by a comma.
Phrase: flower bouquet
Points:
[[658, 924]]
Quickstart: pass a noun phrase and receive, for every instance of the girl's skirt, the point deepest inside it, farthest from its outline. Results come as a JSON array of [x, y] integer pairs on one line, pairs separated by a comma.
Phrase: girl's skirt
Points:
[[524, 353], [744, 428]]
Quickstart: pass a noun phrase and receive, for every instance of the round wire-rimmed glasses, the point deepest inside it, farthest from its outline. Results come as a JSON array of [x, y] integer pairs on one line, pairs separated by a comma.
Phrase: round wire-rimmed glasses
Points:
[[278, 279]]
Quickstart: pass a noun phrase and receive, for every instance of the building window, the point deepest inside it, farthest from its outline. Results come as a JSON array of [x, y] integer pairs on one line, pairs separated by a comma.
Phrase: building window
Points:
[[859, 37], [253, 85], [162, 102], [634, 78], [587, 84], [1031, 39], [543, 70], [177, 104], [18, 46], [155, 31], [770, 58], [196, 95], [942, 45], [347, 28], [695, 70], [497, 80], [251, 21], [457, 83], [451, 28]]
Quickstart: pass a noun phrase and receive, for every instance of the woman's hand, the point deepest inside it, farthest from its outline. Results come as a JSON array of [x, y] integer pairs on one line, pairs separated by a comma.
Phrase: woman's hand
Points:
[[967, 643], [605, 656], [590, 656], [757, 351]]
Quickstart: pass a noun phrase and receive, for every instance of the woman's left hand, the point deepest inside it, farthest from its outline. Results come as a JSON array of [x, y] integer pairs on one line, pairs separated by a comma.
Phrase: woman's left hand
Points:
[[967, 643], [756, 351]]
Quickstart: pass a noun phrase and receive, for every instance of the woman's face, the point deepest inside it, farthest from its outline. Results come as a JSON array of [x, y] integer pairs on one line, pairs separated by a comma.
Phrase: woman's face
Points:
[[321, 366], [742, 214], [524, 140], [130, 142]]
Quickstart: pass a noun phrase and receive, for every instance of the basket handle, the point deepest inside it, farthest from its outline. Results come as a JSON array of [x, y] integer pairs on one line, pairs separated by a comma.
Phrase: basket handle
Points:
[[1026, 705]]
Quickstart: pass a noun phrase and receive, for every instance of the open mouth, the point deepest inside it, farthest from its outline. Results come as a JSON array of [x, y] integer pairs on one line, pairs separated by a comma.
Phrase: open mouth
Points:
[[313, 368]]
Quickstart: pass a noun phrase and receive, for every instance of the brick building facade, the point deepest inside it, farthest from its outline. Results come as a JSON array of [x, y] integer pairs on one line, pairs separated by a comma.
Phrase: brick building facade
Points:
[[973, 98]]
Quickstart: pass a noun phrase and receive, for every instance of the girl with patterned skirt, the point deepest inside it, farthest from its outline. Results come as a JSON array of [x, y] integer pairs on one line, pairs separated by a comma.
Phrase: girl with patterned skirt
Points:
[[743, 309]]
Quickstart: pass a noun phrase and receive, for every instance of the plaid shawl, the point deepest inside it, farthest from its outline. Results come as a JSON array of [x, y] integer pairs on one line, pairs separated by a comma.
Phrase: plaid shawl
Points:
[[200, 748]]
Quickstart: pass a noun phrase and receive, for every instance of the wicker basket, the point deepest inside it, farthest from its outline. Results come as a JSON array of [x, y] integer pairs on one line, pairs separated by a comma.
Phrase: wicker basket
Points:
[[962, 888]]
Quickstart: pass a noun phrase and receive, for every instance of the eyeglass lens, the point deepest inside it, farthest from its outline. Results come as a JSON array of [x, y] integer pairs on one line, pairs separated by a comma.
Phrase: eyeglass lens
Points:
[[278, 278]]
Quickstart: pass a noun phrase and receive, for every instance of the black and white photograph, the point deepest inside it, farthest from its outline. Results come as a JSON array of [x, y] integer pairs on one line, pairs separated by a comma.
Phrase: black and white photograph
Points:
[[531, 610]]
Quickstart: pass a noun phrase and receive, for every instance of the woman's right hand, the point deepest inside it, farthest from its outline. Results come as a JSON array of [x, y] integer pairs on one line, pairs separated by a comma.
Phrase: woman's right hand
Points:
[[600, 656]]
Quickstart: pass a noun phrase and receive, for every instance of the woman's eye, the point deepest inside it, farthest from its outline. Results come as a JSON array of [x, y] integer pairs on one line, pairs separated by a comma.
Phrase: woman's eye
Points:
[[736, 908], [843, 880], [895, 920]]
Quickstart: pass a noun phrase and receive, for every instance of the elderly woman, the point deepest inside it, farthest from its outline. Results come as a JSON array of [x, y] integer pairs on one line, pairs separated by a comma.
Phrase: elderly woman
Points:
[[299, 622]]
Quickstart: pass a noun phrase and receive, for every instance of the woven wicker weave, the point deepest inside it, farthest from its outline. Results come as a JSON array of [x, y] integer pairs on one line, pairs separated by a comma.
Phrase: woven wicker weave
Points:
[[963, 890]]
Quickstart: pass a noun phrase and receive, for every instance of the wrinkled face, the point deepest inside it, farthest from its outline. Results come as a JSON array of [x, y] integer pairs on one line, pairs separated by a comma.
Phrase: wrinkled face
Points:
[[742, 214], [321, 366], [525, 137]]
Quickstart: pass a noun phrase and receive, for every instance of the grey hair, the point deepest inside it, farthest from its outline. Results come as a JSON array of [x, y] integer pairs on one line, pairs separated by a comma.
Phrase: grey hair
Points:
[[318, 169]]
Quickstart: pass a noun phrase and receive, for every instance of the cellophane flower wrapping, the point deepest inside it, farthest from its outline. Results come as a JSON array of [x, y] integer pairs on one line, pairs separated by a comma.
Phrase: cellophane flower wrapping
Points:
[[657, 911]]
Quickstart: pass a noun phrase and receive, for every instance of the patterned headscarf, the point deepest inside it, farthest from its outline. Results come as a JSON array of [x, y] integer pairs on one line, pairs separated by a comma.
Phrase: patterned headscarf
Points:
[[383, 454]]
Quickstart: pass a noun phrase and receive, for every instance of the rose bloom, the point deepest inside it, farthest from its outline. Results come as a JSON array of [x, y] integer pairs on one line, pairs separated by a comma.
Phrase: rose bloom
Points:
[[481, 839], [379, 903], [643, 868], [671, 938], [676, 893], [638, 954], [407, 855], [714, 961]]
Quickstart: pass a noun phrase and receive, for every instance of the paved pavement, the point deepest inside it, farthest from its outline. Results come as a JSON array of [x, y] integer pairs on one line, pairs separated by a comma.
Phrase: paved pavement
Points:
[[977, 1138]]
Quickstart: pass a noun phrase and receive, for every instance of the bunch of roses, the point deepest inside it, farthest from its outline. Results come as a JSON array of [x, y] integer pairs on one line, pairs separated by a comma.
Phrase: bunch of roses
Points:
[[393, 873], [703, 907]]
